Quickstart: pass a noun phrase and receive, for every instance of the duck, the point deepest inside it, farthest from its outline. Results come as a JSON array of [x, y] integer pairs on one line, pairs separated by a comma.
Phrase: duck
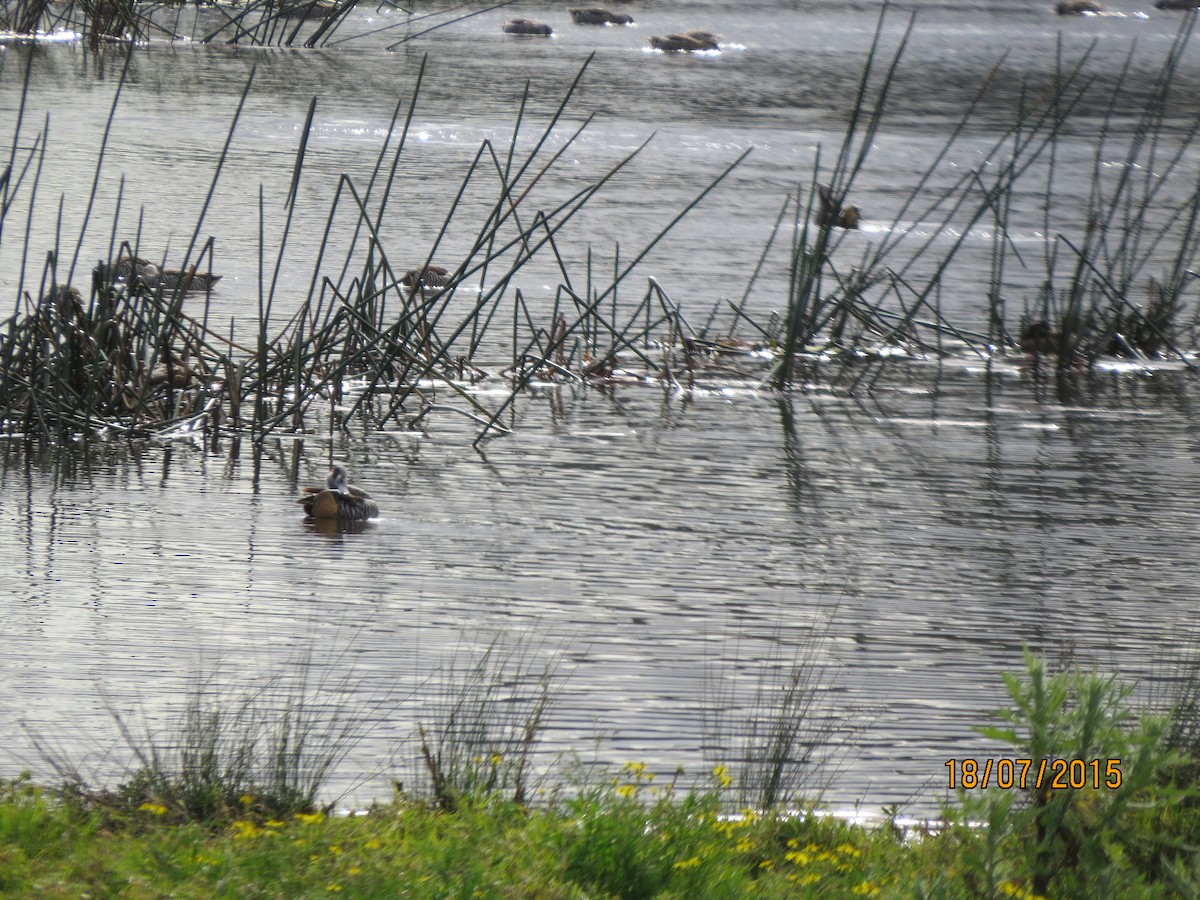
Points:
[[1039, 339], [308, 10], [190, 280], [338, 500], [424, 278], [133, 270], [687, 42], [1077, 8], [526, 26], [832, 213], [595, 15]]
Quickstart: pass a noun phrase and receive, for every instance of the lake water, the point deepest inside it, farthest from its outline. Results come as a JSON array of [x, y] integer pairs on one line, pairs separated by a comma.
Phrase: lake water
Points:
[[659, 547]]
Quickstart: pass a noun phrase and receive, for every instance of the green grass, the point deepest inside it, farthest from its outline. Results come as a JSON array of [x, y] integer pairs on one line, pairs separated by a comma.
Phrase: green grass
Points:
[[611, 841], [628, 833]]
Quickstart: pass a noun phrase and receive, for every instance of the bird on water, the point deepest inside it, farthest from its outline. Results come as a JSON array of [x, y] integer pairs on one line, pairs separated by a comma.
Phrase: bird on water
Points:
[[338, 499]]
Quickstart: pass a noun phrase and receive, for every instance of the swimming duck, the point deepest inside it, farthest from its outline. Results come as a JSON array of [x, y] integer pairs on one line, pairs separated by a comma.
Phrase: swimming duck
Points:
[[424, 278], [338, 500], [686, 42], [594, 15], [833, 213], [1039, 339], [1077, 8], [134, 269], [526, 26], [308, 10]]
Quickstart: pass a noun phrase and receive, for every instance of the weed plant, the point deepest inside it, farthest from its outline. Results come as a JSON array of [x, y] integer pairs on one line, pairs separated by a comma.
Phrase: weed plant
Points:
[[478, 737], [776, 735], [259, 753]]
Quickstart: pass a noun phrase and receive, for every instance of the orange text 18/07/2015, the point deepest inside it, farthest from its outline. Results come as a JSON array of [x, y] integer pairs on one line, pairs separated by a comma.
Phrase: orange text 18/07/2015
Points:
[[1055, 774]]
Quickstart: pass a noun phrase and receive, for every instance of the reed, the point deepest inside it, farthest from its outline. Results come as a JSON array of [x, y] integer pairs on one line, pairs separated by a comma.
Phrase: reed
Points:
[[385, 334], [25, 16], [778, 735], [1112, 288], [478, 736], [260, 752]]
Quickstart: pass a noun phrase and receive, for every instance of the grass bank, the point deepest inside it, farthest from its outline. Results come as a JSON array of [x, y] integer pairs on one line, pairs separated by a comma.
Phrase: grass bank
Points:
[[1130, 831]]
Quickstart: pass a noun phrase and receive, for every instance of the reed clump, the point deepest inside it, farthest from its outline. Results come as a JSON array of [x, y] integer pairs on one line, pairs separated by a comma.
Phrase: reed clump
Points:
[[1116, 287], [374, 338], [24, 16], [124, 356]]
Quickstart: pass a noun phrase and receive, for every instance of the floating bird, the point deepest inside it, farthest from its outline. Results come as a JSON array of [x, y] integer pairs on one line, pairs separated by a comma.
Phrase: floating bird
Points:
[[133, 270], [424, 278], [832, 213], [686, 42], [526, 26], [595, 15], [338, 500], [1077, 8], [308, 10], [1039, 339]]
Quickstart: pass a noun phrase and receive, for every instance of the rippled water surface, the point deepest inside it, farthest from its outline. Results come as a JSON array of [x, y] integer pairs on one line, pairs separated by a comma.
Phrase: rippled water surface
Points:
[[664, 548]]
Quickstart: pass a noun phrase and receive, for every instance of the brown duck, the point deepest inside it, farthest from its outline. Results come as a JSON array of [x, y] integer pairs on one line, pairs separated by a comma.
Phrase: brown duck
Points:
[[338, 500], [425, 278], [831, 213], [686, 42], [526, 26], [595, 15]]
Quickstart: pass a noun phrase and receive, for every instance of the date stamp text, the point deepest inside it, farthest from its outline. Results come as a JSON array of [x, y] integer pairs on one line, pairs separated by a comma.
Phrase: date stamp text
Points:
[[1055, 774]]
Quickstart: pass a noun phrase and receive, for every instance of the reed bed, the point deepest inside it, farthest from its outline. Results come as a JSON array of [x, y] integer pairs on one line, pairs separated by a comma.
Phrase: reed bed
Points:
[[371, 339], [1117, 262], [385, 337]]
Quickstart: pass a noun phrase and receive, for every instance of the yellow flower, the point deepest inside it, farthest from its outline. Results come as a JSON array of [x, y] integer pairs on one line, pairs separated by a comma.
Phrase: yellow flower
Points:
[[744, 845], [848, 850], [273, 823], [354, 870], [866, 889], [333, 888], [767, 864], [799, 857], [635, 768], [497, 759], [721, 773], [687, 863], [335, 849], [372, 844], [810, 878], [309, 818], [1012, 889], [627, 790], [156, 808], [245, 799], [243, 829]]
